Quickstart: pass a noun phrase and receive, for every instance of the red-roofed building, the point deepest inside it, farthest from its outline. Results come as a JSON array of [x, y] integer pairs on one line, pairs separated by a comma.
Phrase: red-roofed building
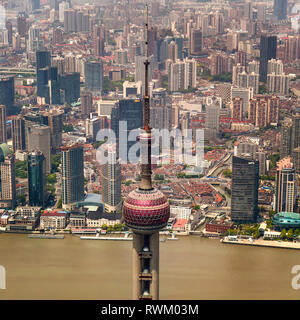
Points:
[[218, 226], [55, 219], [180, 225]]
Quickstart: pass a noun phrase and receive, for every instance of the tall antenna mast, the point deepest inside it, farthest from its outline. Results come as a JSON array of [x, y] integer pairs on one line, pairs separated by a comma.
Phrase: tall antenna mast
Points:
[[146, 63], [145, 138]]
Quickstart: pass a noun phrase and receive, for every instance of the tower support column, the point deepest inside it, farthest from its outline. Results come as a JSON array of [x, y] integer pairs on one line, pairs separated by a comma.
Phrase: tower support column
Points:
[[138, 241], [154, 265]]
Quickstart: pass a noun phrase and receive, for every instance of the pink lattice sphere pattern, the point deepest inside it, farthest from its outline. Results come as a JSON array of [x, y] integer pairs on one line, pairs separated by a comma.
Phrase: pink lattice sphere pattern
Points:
[[146, 210]]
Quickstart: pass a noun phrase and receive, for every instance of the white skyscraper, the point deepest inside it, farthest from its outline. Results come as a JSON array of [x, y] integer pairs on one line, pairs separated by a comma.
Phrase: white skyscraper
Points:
[[62, 7]]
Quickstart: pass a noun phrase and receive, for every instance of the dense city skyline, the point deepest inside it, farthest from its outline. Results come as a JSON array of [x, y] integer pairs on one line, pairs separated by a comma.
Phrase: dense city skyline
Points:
[[81, 81]]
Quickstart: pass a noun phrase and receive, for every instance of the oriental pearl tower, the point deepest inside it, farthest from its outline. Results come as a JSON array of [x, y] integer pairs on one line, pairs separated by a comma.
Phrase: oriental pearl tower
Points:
[[146, 211]]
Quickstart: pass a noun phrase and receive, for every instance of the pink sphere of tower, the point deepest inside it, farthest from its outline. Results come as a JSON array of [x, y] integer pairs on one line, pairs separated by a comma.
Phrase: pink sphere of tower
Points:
[[146, 210]]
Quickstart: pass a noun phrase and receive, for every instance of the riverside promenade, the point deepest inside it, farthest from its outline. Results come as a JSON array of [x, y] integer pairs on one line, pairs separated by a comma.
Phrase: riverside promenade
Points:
[[263, 243]]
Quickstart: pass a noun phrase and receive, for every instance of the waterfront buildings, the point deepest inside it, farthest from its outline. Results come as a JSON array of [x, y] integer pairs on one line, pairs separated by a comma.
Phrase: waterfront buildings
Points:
[[72, 175], [36, 170], [286, 186], [286, 220], [54, 219], [7, 176], [244, 189], [111, 180]]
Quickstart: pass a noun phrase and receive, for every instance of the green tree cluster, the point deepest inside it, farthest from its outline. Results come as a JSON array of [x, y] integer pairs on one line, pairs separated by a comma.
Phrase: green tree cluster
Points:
[[68, 128], [227, 173], [51, 179], [55, 162], [21, 169]]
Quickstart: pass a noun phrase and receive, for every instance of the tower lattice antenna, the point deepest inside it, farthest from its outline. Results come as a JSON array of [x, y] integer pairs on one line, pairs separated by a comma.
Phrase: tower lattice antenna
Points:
[[146, 63]]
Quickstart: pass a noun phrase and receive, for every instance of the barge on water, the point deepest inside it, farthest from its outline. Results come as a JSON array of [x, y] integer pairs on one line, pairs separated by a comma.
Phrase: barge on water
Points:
[[46, 236]]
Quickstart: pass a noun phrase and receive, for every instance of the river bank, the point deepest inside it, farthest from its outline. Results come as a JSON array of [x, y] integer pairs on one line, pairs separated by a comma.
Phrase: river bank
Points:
[[264, 243]]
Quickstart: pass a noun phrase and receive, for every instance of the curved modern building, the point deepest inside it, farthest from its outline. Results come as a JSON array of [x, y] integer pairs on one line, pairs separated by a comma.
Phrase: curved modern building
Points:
[[286, 220], [4, 151]]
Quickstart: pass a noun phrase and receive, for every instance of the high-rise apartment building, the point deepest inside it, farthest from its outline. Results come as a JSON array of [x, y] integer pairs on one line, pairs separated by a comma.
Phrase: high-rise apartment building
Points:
[[237, 108], [39, 140], [292, 48], [3, 133], [244, 189], [18, 133], [7, 178], [161, 116], [263, 110], [251, 80], [286, 186], [72, 175], [86, 99], [220, 63], [64, 5], [131, 111], [248, 148], [261, 157], [7, 94], [111, 181], [280, 9], [93, 71], [22, 25], [93, 125], [268, 48], [69, 85], [241, 58], [36, 168], [296, 159], [296, 131], [279, 84], [245, 94], [196, 42], [286, 138], [55, 123], [98, 40], [182, 75]]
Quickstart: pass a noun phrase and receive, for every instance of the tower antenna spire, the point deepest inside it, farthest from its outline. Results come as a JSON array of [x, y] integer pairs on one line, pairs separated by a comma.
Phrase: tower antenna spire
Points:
[[145, 138], [146, 111]]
